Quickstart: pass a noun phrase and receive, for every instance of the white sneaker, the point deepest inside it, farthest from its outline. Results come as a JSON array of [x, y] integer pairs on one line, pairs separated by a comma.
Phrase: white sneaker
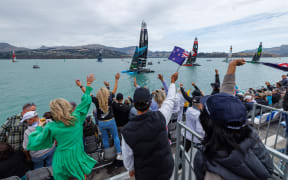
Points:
[[119, 157]]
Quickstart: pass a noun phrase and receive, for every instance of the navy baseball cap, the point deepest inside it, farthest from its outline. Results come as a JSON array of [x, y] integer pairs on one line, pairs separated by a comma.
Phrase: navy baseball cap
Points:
[[225, 110], [142, 98]]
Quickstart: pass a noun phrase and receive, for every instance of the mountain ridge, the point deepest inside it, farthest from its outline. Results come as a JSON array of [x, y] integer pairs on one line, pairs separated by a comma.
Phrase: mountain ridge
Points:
[[92, 51]]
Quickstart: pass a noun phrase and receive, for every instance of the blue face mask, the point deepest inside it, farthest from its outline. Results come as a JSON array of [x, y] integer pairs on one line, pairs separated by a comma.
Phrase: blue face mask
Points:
[[35, 124]]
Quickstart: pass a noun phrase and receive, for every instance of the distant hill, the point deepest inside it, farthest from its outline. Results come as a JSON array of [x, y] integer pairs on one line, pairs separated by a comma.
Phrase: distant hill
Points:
[[91, 51], [4, 47], [61, 52], [280, 51]]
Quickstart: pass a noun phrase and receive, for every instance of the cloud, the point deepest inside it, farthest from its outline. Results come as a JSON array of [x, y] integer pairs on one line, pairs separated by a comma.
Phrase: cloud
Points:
[[217, 24]]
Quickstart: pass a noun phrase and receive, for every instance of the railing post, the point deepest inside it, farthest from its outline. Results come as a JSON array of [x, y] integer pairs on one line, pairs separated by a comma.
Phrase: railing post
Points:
[[253, 113], [178, 138]]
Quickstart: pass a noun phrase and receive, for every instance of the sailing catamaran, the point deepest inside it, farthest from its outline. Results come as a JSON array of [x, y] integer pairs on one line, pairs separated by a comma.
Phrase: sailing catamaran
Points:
[[139, 60], [13, 57], [229, 56], [100, 56], [257, 55], [192, 58]]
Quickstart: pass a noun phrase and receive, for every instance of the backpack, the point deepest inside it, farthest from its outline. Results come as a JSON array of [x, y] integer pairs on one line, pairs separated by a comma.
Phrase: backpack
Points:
[[89, 128], [90, 144]]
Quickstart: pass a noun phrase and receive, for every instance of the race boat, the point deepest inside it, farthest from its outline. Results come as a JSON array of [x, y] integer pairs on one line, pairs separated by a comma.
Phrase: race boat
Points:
[[100, 56], [256, 57], [139, 60], [150, 63], [192, 57], [36, 67], [13, 57], [229, 56]]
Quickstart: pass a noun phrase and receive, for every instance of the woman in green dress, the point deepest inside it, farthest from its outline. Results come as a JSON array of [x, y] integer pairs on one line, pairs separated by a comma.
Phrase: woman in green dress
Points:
[[70, 159]]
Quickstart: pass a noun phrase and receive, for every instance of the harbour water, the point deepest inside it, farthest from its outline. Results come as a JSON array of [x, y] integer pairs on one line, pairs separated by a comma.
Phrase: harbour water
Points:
[[20, 83]]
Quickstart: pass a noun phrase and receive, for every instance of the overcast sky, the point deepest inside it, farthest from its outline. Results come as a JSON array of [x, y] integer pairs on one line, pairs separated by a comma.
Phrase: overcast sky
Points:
[[217, 23]]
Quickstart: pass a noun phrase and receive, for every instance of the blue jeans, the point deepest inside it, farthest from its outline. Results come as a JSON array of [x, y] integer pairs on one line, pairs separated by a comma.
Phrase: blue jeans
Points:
[[104, 127], [47, 159]]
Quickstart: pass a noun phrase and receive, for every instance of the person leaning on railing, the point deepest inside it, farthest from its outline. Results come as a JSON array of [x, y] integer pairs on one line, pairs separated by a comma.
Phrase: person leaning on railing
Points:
[[232, 149]]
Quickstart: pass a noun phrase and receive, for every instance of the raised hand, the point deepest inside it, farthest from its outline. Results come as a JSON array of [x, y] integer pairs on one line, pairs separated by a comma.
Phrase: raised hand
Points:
[[193, 84], [160, 76], [117, 76], [181, 85], [106, 83], [90, 78], [237, 62], [78, 83], [174, 77], [216, 71]]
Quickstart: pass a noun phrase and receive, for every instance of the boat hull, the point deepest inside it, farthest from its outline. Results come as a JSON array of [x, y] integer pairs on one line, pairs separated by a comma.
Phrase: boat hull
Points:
[[189, 65], [138, 72]]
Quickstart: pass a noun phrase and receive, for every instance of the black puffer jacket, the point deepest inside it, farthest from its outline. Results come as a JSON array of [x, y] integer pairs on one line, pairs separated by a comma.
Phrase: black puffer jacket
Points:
[[285, 101], [255, 163]]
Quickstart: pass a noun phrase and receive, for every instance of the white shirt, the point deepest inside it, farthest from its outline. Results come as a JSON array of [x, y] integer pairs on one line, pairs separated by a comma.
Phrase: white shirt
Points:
[[166, 110], [193, 122], [176, 107]]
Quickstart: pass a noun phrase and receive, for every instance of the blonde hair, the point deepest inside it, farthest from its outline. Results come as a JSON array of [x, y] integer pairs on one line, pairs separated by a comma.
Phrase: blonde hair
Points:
[[103, 95], [159, 97], [61, 110]]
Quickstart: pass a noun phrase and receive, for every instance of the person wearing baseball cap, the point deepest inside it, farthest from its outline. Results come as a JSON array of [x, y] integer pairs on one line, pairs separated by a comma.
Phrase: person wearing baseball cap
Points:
[[145, 147], [40, 157], [231, 148]]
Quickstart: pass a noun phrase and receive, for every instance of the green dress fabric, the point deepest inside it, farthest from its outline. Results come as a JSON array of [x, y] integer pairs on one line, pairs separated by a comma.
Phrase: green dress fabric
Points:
[[70, 159]]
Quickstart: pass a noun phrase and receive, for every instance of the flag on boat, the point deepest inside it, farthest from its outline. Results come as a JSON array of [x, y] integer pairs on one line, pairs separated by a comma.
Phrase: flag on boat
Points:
[[281, 66], [178, 55]]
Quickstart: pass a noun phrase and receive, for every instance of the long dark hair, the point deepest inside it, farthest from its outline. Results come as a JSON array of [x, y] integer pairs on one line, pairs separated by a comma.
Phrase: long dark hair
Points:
[[219, 138]]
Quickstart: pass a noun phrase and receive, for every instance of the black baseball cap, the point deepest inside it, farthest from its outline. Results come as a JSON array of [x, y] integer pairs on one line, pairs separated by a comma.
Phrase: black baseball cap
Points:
[[119, 96], [196, 92], [142, 99], [225, 110]]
